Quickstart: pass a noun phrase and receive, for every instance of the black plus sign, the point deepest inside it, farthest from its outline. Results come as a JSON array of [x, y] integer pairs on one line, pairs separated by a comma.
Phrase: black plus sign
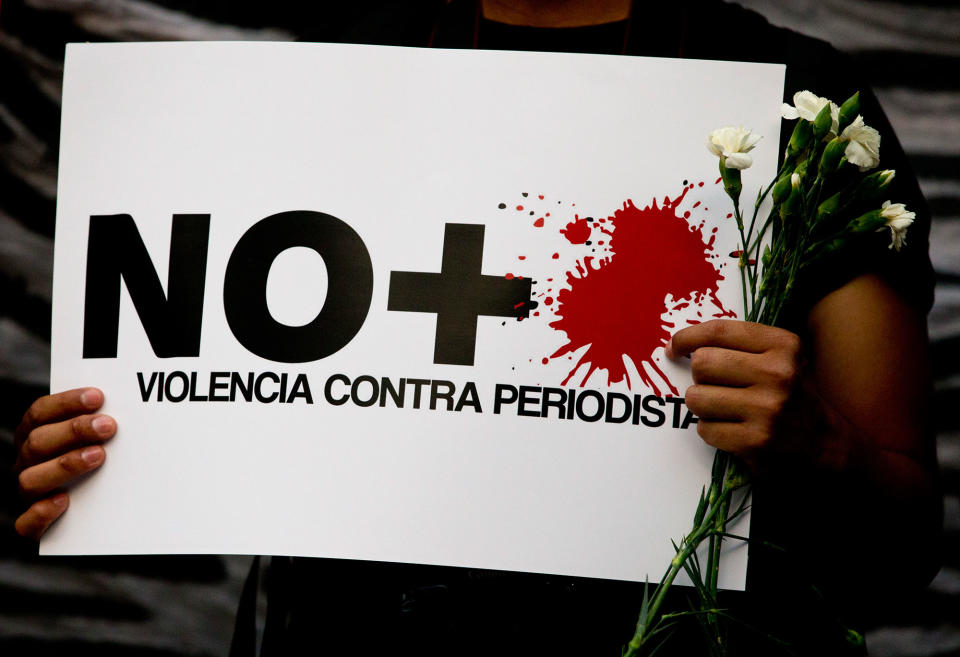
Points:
[[459, 294]]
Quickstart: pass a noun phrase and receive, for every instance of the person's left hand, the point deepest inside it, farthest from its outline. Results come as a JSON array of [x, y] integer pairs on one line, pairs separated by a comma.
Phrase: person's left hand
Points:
[[747, 390]]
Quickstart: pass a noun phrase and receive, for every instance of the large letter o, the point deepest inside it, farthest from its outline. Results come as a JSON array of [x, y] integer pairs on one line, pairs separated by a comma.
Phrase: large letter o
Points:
[[349, 288]]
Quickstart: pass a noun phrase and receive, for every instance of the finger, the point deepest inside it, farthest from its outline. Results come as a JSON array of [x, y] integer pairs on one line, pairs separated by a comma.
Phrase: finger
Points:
[[33, 522], [50, 440], [49, 475], [722, 434], [709, 402], [731, 334], [61, 406], [727, 367]]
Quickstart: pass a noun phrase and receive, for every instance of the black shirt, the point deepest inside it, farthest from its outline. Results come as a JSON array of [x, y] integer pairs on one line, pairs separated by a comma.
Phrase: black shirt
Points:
[[338, 607]]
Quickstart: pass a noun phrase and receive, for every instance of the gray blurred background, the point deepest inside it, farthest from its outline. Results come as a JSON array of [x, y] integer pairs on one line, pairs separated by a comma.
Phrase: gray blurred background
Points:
[[159, 606]]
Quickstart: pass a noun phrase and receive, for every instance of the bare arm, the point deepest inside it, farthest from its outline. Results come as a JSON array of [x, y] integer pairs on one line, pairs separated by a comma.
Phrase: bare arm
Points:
[[846, 412]]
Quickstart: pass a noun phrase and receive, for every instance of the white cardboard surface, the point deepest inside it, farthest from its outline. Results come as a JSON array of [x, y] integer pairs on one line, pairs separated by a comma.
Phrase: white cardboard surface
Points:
[[396, 142]]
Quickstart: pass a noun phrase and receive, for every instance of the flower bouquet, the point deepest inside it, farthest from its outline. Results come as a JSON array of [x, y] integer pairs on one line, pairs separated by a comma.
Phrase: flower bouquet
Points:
[[823, 199]]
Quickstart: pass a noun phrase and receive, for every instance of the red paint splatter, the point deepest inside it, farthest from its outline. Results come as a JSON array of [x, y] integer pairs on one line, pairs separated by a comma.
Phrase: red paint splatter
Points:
[[509, 277], [538, 223], [547, 215], [556, 256], [540, 196], [717, 181], [519, 207], [517, 305], [577, 231], [699, 184], [548, 301], [545, 361], [521, 257], [613, 306]]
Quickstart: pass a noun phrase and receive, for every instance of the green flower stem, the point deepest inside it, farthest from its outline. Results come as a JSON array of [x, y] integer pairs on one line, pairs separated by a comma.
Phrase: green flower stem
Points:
[[720, 527], [743, 258], [721, 489]]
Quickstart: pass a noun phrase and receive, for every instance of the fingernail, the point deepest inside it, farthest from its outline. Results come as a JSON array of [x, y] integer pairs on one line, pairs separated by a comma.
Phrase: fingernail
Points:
[[92, 455], [91, 398], [668, 348], [102, 425], [60, 500]]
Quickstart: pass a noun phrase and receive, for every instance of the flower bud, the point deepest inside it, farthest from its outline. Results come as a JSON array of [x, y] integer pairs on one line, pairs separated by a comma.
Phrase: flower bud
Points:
[[832, 156], [767, 256], [731, 181], [848, 111], [868, 221], [823, 123], [800, 139], [794, 203], [871, 186], [782, 188], [828, 208]]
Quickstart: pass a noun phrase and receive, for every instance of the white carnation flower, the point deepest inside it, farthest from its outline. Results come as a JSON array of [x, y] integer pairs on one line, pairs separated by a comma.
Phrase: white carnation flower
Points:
[[808, 105], [732, 144], [863, 147], [898, 219]]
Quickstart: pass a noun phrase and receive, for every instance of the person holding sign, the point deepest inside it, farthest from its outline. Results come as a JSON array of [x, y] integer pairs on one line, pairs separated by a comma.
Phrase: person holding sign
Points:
[[832, 416]]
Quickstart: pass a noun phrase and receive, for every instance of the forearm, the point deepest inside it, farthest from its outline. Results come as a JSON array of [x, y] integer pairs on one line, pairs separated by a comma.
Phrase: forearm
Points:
[[865, 504]]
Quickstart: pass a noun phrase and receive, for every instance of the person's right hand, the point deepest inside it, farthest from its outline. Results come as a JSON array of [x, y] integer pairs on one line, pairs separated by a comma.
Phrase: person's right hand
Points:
[[58, 440]]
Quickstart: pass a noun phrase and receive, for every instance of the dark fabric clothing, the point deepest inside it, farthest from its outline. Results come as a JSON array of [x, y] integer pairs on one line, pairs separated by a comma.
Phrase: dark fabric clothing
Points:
[[333, 607]]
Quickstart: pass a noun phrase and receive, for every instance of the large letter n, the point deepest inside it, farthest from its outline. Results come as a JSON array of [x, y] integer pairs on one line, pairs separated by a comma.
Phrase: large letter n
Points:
[[172, 320]]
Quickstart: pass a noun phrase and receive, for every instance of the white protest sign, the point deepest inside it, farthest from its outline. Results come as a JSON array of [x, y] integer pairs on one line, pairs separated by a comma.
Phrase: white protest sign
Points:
[[394, 304]]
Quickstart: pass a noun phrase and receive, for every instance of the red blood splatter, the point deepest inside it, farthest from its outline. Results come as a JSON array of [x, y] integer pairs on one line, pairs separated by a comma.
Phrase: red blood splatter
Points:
[[613, 307], [538, 223], [556, 256], [577, 231], [519, 207], [509, 277]]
